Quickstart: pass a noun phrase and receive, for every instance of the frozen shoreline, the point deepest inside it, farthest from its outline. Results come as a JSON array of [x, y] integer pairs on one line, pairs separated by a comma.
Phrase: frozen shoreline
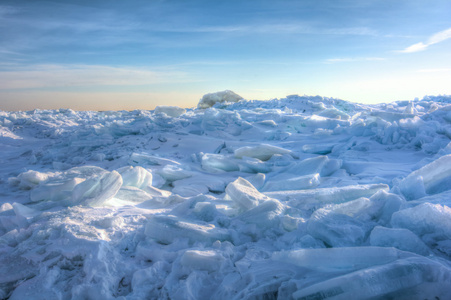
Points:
[[295, 198]]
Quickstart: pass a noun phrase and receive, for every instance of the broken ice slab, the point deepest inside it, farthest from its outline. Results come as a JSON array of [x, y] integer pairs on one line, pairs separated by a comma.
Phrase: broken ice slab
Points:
[[217, 163], [208, 260], [141, 158], [28, 180], [409, 278], [322, 196], [262, 152], [96, 190], [130, 195], [430, 179], [244, 194], [135, 176], [341, 258], [174, 172], [425, 219], [253, 165], [166, 229], [55, 190], [293, 183], [399, 238], [265, 215], [336, 229], [320, 164]]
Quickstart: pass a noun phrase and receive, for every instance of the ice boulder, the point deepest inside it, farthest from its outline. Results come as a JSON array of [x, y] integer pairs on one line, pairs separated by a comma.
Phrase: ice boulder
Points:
[[171, 111], [429, 221], [96, 190], [244, 194], [28, 180], [265, 215], [430, 179], [336, 229], [211, 99], [400, 238], [262, 152], [135, 176]]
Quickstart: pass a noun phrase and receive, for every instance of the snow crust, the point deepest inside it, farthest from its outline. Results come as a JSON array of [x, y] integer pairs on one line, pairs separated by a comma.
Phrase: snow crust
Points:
[[293, 198]]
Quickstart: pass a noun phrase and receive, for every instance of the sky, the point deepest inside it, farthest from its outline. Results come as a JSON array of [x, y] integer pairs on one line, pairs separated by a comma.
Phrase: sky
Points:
[[113, 55]]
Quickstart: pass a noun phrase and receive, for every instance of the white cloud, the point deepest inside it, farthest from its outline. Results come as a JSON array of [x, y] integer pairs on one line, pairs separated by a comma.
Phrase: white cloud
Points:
[[434, 39], [352, 59]]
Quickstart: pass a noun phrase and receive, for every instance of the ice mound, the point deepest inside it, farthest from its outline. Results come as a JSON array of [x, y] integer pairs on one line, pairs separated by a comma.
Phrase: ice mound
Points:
[[430, 179], [171, 111], [211, 99], [294, 198]]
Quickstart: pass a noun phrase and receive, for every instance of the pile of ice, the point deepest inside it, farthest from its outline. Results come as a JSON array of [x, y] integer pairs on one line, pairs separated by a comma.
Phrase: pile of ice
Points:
[[297, 198]]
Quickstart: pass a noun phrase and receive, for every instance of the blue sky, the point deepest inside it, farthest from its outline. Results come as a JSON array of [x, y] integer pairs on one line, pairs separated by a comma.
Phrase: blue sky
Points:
[[104, 55]]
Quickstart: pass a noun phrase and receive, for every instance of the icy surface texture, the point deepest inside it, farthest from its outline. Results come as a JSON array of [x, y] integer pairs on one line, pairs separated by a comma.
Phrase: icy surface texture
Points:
[[293, 198]]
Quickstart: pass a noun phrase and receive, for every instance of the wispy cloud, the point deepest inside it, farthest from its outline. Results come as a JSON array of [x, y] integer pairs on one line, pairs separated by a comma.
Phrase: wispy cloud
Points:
[[352, 59], [434, 39], [438, 70], [56, 76]]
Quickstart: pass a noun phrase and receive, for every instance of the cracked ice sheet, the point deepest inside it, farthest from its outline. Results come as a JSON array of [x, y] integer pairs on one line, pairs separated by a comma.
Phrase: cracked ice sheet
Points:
[[176, 221]]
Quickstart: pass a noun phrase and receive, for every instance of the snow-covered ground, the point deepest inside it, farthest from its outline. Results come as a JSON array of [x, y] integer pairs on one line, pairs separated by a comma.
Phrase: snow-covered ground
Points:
[[297, 198]]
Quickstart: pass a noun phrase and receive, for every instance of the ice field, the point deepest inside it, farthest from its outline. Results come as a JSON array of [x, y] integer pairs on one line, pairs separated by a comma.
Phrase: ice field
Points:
[[293, 198]]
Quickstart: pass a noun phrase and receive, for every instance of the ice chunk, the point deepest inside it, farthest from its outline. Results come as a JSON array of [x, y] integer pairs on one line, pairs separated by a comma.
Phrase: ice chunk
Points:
[[253, 165], [131, 195], [257, 180], [211, 99], [55, 190], [431, 179], [335, 229], [96, 190], [293, 183], [327, 195], [410, 278], [173, 173], [265, 215], [339, 259], [424, 219], [244, 194], [262, 152], [135, 176], [208, 260], [165, 229], [218, 163], [400, 238], [23, 211], [171, 111], [29, 179]]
